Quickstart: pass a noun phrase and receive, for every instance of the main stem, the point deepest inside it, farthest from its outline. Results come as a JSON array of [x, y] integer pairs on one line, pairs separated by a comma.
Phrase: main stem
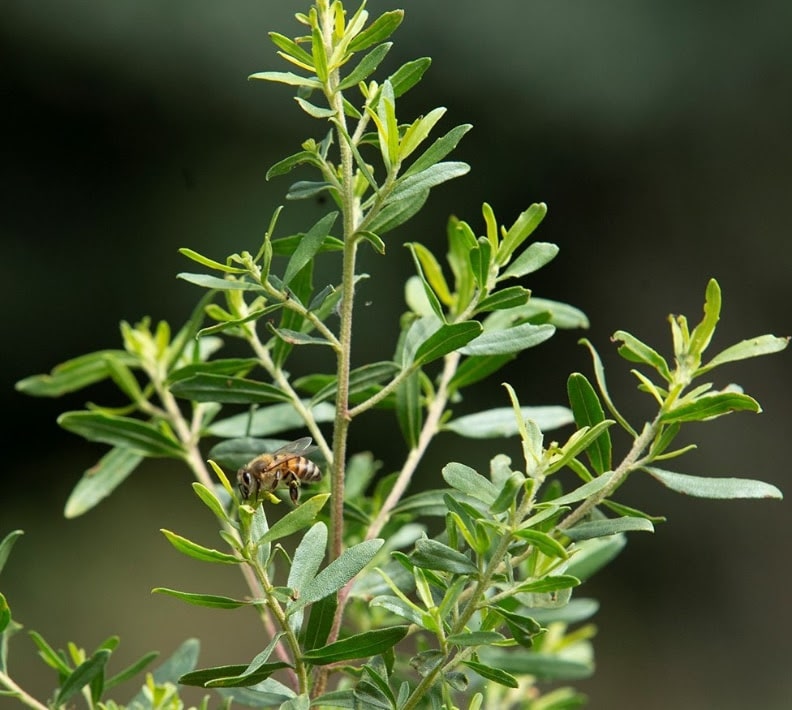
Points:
[[350, 220]]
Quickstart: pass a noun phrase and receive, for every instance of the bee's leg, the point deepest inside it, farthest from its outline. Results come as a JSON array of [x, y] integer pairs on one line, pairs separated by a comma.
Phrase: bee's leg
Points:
[[294, 489], [276, 479]]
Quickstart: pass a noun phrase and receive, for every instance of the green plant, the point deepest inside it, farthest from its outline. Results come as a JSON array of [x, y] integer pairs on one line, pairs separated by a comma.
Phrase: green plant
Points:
[[359, 605]]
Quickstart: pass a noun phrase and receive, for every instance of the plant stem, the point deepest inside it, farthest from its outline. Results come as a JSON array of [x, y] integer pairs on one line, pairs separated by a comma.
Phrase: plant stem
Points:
[[20, 694], [630, 462], [433, 414]]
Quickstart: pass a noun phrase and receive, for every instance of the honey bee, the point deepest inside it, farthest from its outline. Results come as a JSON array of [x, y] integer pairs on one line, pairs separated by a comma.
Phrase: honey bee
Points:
[[286, 467]]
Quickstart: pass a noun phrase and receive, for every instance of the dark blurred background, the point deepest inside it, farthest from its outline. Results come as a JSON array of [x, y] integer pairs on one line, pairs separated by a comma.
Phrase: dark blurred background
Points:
[[658, 134]]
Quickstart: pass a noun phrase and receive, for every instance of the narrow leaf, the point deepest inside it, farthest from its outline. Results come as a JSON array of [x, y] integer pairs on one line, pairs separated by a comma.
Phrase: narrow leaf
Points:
[[492, 673], [543, 542], [608, 526], [199, 552], [320, 622], [366, 66], [309, 245], [522, 228], [588, 411], [287, 78], [408, 75], [74, 374], [100, 480], [501, 422], [211, 600], [469, 481], [711, 406], [723, 488], [448, 338], [511, 340], [125, 432], [586, 490], [434, 555], [382, 28], [337, 573], [362, 645], [81, 676], [298, 519], [7, 544], [753, 347], [634, 350], [227, 390], [532, 259]]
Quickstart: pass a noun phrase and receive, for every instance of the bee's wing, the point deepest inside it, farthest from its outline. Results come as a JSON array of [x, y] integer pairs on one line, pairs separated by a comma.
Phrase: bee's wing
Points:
[[300, 446]]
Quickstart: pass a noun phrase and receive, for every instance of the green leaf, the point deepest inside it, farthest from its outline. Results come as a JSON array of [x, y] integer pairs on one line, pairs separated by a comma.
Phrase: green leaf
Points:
[[543, 542], [561, 315], [359, 379], [434, 555], [476, 638], [634, 350], [364, 645], [753, 347], [405, 609], [469, 481], [297, 519], [586, 490], [510, 297], [286, 246], [446, 339], [494, 674], [522, 228], [210, 263], [230, 676], [284, 77], [723, 488], [199, 552], [366, 66], [101, 480], [227, 389], [703, 332], [710, 406], [287, 164], [438, 150], [180, 662], [511, 340], [501, 422], [532, 259], [408, 408], [81, 676], [578, 442], [608, 526], [213, 282], [265, 421], [552, 583], [397, 212], [234, 367], [544, 666], [588, 412], [414, 184], [74, 374], [383, 27], [432, 271], [308, 246], [211, 600], [594, 554], [320, 622], [132, 434], [7, 544], [408, 75], [337, 573], [211, 501], [130, 671]]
